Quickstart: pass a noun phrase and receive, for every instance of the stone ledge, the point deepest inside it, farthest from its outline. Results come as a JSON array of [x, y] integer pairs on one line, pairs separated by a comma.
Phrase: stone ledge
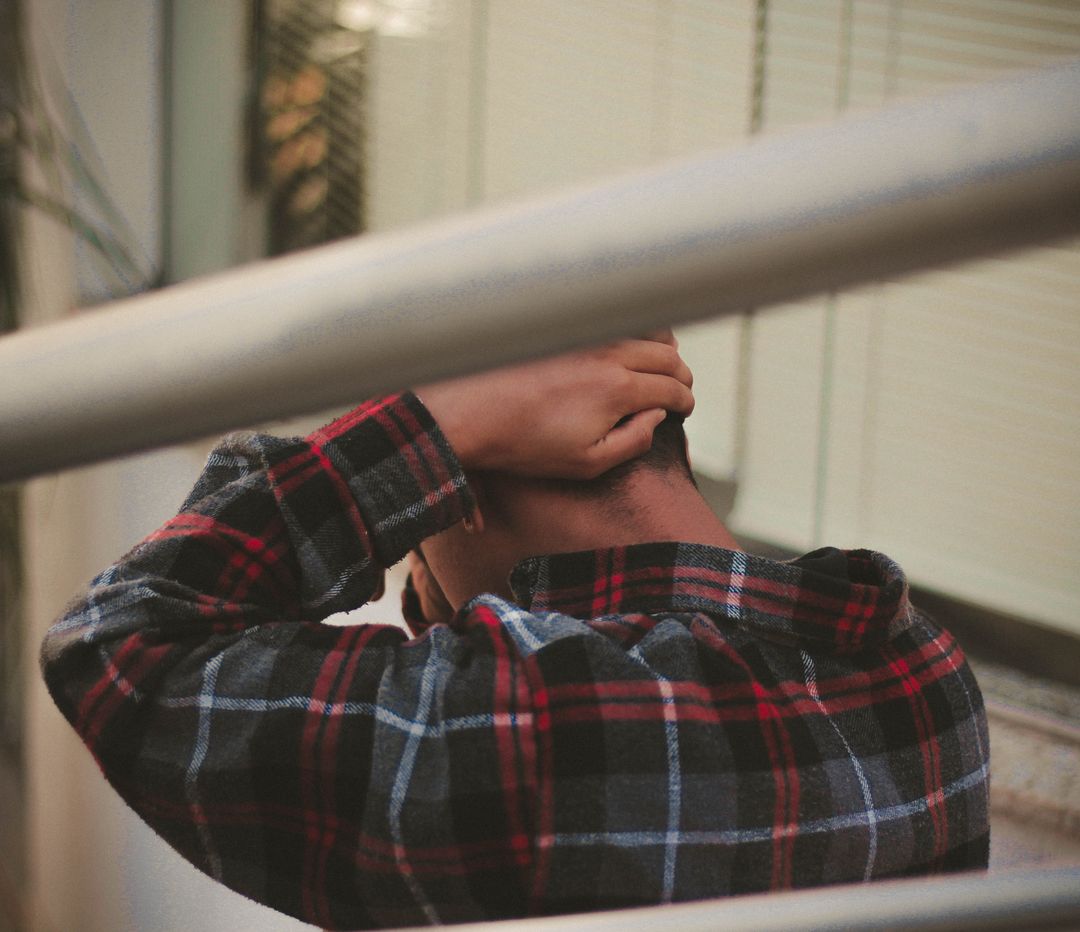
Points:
[[1034, 769]]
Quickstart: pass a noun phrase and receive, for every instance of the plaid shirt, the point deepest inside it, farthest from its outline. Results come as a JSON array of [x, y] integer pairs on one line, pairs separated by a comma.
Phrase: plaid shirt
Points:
[[643, 724]]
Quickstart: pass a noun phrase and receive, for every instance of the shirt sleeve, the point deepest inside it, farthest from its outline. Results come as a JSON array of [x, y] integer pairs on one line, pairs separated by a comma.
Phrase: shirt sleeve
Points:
[[273, 751]]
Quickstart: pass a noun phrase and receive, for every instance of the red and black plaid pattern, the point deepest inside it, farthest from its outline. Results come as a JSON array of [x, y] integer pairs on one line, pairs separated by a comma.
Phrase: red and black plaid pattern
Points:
[[641, 725]]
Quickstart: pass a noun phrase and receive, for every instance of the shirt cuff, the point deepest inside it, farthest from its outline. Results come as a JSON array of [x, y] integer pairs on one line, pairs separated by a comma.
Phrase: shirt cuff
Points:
[[401, 471]]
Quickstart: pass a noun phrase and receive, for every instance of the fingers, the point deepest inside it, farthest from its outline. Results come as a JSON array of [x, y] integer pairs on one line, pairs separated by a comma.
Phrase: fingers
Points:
[[568, 403], [653, 356], [434, 606], [648, 390]]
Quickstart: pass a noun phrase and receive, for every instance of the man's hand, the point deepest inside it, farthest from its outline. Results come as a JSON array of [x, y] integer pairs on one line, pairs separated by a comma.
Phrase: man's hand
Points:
[[432, 603], [572, 416]]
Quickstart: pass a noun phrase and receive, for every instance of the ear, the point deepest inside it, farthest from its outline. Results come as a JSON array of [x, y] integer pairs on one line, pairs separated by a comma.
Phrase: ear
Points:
[[474, 521]]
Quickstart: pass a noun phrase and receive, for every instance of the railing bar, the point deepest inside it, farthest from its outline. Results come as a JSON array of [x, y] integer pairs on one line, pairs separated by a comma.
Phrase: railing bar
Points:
[[982, 170], [1048, 898]]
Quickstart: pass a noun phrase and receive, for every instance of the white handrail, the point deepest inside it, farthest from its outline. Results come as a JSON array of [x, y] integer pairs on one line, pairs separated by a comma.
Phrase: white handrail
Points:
[[1048, 898], [984, 169]]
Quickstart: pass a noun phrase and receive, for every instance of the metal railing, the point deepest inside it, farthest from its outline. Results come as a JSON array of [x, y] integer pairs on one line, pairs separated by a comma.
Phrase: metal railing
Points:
[[984, 169], [1028, 900]]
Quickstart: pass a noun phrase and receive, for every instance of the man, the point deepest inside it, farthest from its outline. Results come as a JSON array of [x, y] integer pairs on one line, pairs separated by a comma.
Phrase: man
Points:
[[608, 704]]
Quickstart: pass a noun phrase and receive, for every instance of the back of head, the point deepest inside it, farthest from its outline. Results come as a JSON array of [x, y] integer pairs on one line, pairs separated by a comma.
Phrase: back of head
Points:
[[667, 456], [650, 498], [668, 451]]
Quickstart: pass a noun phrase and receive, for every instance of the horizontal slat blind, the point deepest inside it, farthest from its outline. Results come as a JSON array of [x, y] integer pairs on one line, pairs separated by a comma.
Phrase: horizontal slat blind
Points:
[[947, 426], [778, 471], [421, 104]]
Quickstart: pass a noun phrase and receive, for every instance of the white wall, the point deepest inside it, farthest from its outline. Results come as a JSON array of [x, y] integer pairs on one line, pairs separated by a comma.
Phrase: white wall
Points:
[[208, 211], [94, 867]]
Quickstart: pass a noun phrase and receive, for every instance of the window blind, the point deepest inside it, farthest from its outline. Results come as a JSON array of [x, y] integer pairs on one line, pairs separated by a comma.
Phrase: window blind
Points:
[[938, 417]]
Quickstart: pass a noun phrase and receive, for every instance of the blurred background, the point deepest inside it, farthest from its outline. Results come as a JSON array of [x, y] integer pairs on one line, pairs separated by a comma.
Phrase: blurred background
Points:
[[936, 418]]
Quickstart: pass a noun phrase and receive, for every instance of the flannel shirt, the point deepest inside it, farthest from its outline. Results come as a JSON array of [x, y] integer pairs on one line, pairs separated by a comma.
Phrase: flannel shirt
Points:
[[643, 724]]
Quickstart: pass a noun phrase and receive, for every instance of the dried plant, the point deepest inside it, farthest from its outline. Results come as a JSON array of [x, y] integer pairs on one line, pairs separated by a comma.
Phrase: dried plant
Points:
[[40, 124]]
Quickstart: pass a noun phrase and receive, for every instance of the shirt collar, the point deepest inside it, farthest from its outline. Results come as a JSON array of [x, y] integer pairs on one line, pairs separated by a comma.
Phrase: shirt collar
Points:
[[846, 599]]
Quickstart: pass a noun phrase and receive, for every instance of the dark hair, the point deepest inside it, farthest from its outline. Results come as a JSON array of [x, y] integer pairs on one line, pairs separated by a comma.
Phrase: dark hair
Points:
[[667, 454], [668, 450]]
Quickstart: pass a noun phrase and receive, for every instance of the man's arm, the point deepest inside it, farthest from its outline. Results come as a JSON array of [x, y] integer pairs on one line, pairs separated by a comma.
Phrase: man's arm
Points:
[[195, 669], [273, 751]]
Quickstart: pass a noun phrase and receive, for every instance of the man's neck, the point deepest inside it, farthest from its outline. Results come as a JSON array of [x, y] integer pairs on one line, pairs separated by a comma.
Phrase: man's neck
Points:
[[651, 506]]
